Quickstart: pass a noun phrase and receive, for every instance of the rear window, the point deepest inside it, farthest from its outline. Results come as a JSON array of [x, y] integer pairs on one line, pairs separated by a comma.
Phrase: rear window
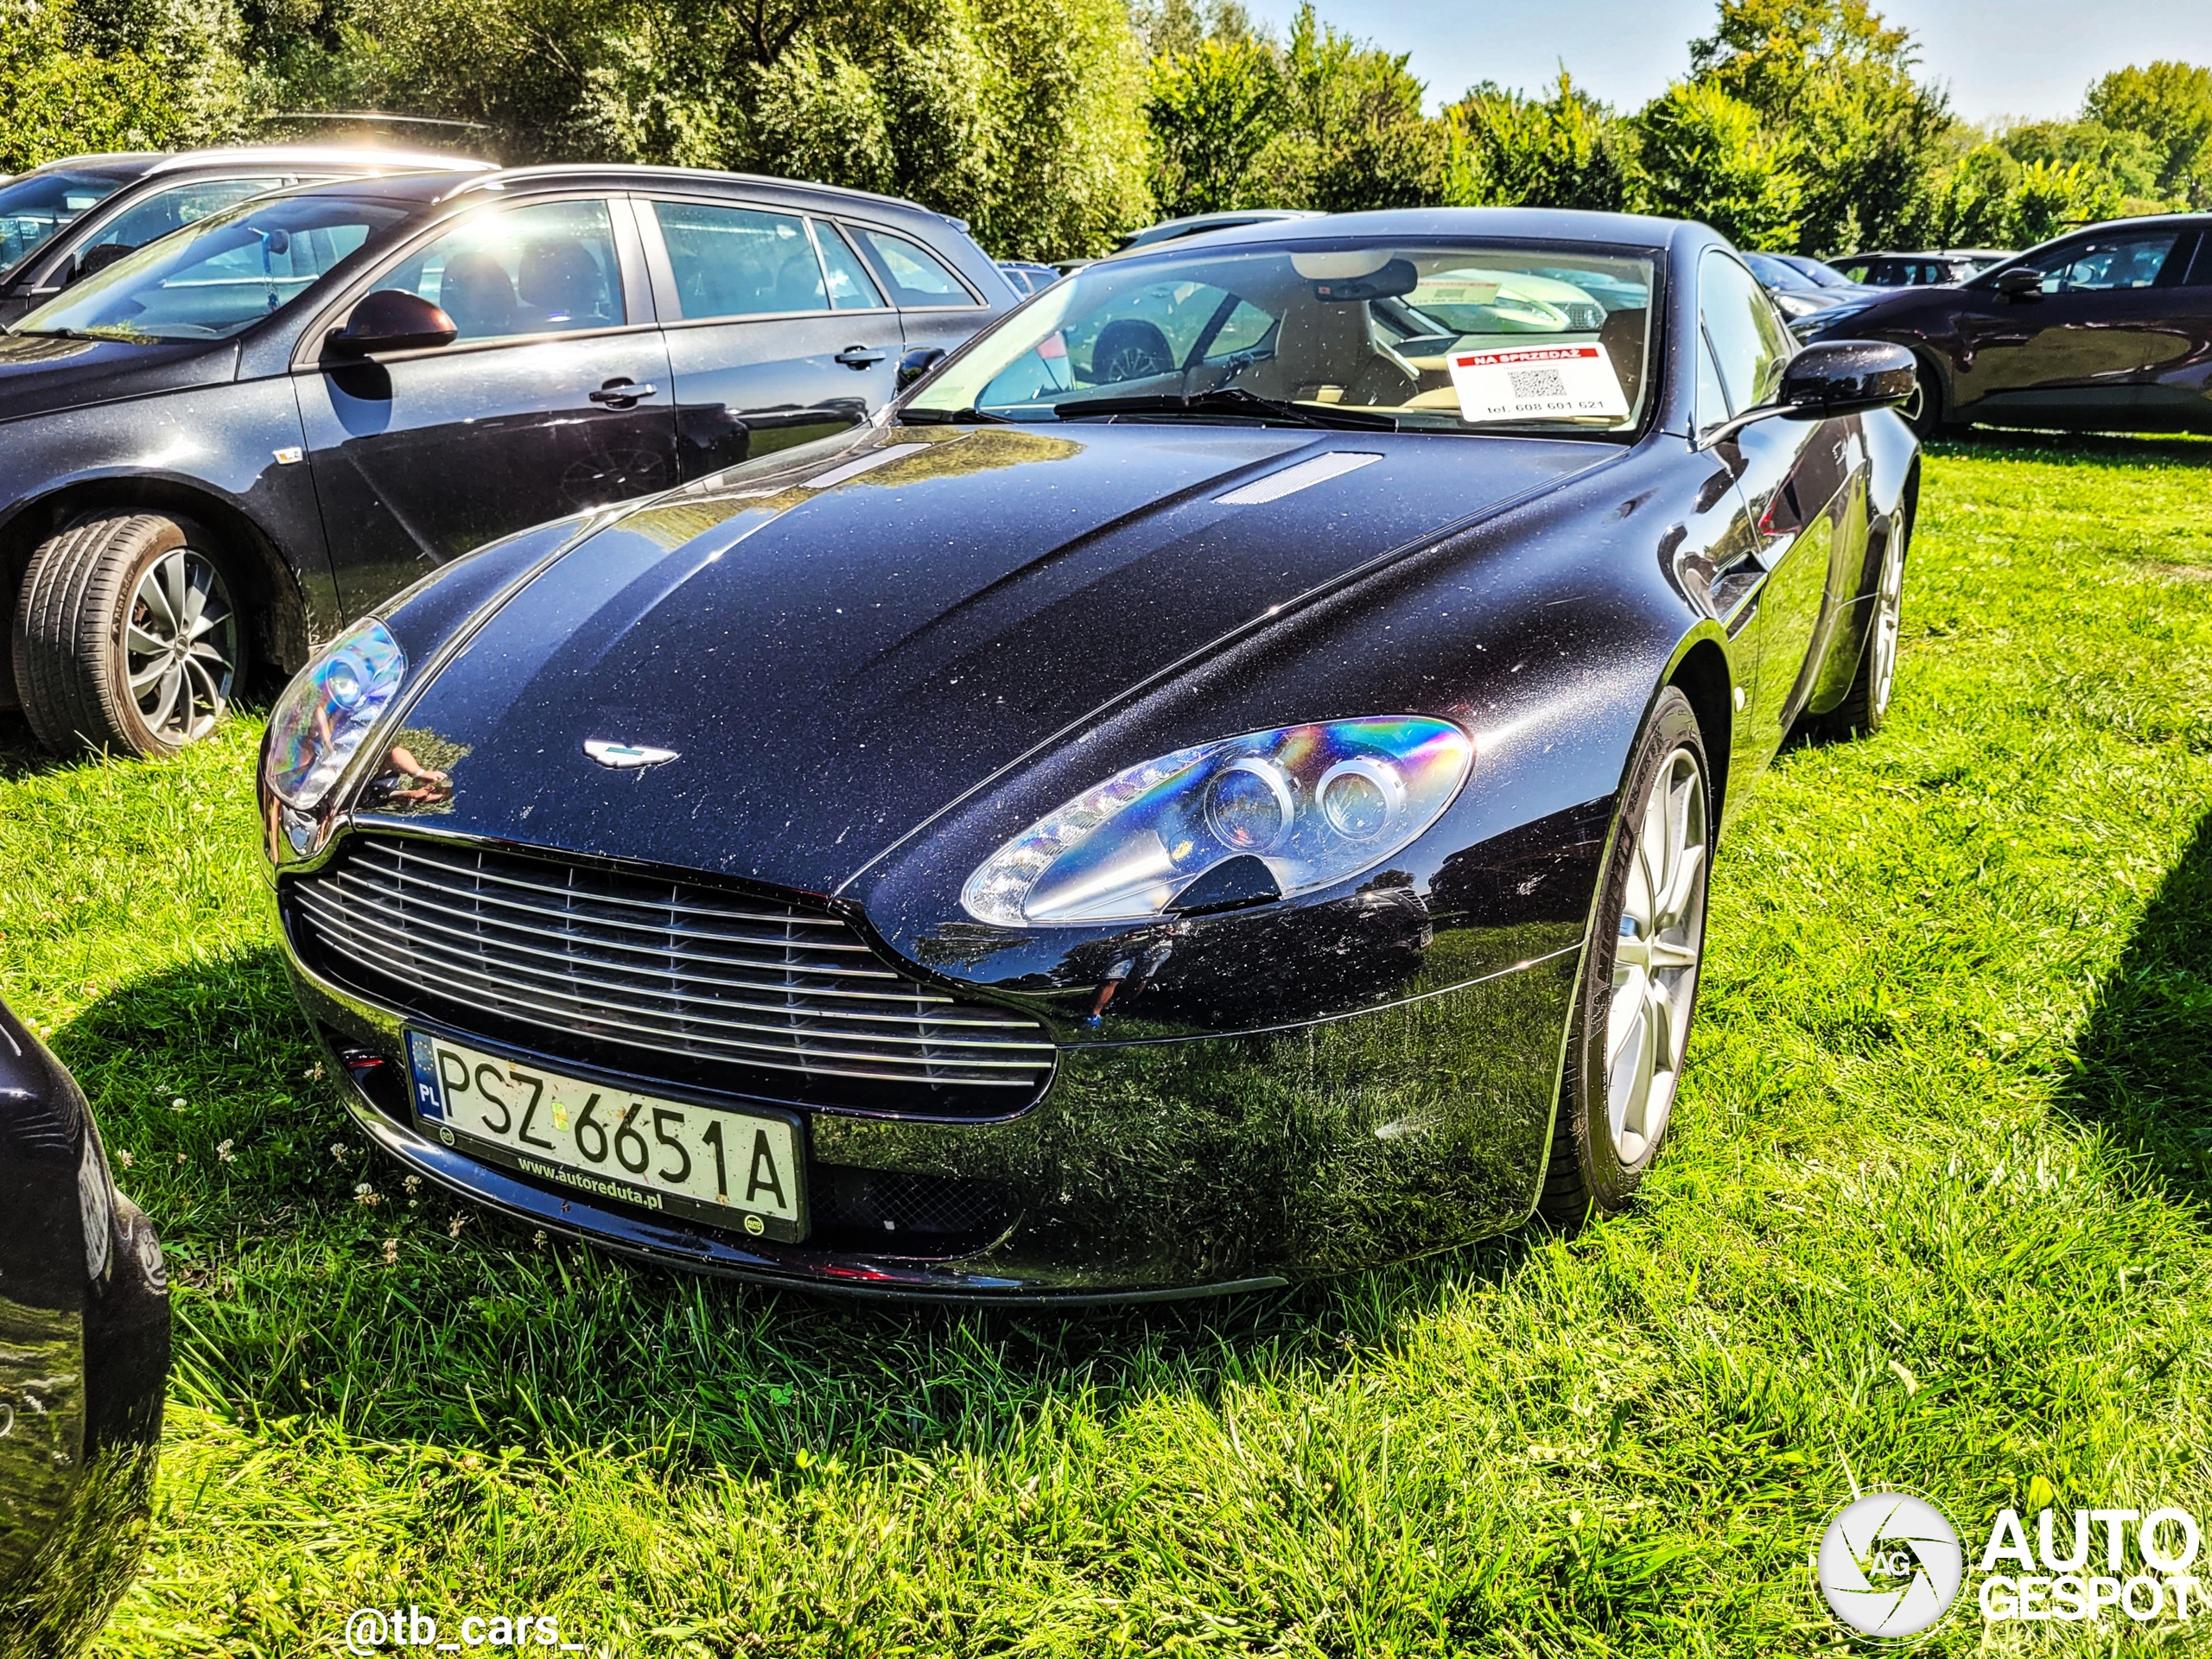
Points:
[[918, 278]]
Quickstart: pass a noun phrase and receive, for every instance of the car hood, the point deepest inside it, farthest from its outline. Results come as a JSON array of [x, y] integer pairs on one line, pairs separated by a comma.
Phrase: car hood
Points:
[[836, 650], [40, 373]]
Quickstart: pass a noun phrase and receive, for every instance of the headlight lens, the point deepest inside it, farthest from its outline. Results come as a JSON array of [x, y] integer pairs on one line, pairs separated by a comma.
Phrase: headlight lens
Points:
[[325, 715], [1315, 804]]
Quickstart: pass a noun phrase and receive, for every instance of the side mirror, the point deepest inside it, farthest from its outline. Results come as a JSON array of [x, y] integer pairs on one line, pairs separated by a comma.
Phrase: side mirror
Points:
[[917, 363], [1846, 376], [2020, 282], [392, 320]]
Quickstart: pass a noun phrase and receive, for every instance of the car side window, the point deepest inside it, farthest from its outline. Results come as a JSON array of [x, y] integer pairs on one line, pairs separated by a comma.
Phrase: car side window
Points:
[[739, 262], [2110, 262], [171, 210], [546, 268], [851, 288], [918, 278], [1749, 344]]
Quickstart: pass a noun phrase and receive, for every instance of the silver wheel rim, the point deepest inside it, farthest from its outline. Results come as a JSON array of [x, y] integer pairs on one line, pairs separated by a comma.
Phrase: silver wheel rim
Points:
[[1132, 363], [1889, 606], [1655, 960], [180, 646], [1916, 405]]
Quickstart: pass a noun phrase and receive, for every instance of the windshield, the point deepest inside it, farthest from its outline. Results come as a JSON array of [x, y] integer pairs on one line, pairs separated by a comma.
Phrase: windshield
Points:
[[37, 205], [214, 278], [1454, 337], [1774, 273]]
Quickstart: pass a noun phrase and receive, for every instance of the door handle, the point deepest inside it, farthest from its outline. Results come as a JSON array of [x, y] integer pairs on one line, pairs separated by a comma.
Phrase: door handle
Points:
[[861, 356], [622, 394]]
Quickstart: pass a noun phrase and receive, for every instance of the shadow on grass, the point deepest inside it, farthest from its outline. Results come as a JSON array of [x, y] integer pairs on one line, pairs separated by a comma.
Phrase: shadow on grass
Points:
[[2104, 448], [477, 1332], [2144, 1055], [20, 753]]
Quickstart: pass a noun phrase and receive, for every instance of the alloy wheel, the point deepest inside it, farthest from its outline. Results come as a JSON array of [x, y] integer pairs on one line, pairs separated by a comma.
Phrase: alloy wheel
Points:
[[181, 647], [1889, 606], [1655, 959]]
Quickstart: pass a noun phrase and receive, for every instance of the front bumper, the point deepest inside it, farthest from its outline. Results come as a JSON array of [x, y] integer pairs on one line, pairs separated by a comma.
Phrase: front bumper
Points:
[[1148, 1170]]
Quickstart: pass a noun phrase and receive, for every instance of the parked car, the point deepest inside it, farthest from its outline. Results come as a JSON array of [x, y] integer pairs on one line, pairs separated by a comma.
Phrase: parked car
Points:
[[214, 451], [2108, 327], [1798, 296], [1123, 822], [1026, 276], [1822, 272], [1924, 270], [61, 222], [84, 1360]]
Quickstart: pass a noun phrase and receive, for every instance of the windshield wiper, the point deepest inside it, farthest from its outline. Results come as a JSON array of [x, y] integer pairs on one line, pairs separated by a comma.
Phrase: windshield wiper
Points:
[[1228, 400], [952, 417]]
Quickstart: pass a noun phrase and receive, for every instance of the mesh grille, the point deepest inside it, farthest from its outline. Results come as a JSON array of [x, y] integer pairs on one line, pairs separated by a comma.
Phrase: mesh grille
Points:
[[694, 982]]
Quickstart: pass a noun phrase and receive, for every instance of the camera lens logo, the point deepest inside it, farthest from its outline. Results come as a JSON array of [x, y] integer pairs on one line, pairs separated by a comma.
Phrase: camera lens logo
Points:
[[1889, 1564]]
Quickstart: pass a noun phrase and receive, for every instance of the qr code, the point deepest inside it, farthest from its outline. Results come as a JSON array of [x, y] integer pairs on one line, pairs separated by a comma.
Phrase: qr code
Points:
[[1536, 383]]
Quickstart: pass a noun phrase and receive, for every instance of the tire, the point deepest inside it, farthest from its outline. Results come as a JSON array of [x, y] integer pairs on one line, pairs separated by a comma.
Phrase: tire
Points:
[[1924, 410], [98, 661], [1131, 349], [1866, 705], [1631, 1022]]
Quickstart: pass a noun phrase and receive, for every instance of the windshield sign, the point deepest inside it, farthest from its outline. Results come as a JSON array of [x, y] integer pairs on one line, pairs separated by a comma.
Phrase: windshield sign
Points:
[[1462, 338], [214, 278]]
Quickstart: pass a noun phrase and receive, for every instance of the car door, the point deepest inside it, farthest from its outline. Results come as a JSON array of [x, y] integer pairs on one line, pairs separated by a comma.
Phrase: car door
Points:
[[2172, 395], [2082, 350], [777, 332], [1794, 476], [936, 308], [552, 398]]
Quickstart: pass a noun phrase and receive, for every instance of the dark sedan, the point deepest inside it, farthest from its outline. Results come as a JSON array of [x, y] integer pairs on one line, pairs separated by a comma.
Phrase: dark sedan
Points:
[[214, 451], [84, 1356], [2107, 328], [1151, 812], [61, 222]]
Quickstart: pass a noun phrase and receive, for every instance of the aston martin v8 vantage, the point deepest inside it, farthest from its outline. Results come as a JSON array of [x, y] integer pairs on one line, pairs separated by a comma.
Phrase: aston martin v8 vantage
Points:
[[1214, 784]]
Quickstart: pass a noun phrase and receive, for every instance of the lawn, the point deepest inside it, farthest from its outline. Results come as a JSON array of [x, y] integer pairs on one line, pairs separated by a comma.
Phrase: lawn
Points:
[[1933, 1214]]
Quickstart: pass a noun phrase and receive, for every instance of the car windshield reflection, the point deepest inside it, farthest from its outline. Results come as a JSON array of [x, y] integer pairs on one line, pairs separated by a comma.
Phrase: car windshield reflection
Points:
[[217, 277], [1418, 336]]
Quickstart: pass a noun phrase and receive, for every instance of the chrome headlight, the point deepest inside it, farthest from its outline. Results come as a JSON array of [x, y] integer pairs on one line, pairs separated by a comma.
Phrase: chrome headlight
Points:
[[1291, 810], [327, 711]]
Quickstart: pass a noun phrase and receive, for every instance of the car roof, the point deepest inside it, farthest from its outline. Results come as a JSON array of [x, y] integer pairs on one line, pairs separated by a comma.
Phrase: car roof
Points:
[[139, 164], [1536, 224], [622, 176]]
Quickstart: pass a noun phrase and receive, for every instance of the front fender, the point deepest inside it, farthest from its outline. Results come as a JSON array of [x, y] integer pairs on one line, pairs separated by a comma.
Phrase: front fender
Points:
[[1544, 634]]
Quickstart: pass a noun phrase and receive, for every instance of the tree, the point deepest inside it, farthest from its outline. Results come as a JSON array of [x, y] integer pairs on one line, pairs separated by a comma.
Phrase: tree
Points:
[[2170, 105], [1836, 84], [55, 100], [1568, 150], [1705, 155], [1211, 111]]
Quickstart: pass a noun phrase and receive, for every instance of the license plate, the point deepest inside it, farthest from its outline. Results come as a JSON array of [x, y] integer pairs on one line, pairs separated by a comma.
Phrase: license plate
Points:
[[735, 1169]]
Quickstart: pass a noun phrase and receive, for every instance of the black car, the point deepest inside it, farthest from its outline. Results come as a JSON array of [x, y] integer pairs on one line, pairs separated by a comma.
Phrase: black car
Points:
[[1801, 297], [214, 451], [63, 221], [1149, 812], [84, 1360], [2105, 328]]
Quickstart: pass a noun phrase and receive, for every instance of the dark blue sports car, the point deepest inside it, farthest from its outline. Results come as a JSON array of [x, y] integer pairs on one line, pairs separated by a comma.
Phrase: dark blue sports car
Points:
[[1215, 784]]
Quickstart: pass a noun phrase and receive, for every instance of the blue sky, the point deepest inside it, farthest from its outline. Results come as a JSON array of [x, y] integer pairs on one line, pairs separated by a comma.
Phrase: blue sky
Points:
[[2029, 58]]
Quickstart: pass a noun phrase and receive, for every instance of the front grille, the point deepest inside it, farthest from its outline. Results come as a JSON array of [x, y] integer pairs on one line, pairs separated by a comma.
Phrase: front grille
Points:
[[688, 982], [896, 1213]]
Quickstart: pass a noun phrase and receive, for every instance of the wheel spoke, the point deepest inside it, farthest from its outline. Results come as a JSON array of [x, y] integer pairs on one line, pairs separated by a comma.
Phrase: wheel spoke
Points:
[[172, 682], [1625, 1014], [175, 577], [1674, 903], [198, 578], [1666, 954], [138, 639], [145, 676]]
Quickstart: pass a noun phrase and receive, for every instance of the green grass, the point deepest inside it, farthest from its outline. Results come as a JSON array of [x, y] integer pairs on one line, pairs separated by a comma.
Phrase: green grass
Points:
[[1933, 1214]]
